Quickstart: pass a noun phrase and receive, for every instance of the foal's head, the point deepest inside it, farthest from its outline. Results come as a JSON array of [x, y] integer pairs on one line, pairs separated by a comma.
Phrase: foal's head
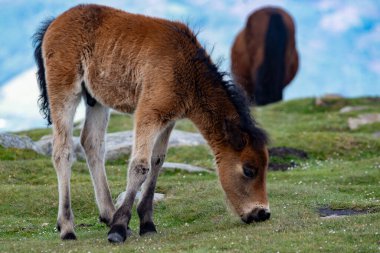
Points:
[[240, 151], [242, 168], [243, 159]]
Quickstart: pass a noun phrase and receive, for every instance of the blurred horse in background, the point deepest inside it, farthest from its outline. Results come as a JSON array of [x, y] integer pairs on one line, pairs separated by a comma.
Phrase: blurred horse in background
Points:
[[264, 57]]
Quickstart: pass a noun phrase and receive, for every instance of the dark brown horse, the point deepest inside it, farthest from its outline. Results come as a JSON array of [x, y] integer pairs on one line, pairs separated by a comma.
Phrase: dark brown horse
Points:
[[264, 57], [158, 70]]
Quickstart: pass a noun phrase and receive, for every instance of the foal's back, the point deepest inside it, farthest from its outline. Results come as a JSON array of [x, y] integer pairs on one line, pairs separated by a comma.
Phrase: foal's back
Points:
[[113, 52]]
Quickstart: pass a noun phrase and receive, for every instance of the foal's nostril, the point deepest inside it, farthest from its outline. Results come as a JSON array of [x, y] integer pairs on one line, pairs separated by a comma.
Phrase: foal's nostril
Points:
[[257, 215], [268, 216], [263, 215], [247, 219]]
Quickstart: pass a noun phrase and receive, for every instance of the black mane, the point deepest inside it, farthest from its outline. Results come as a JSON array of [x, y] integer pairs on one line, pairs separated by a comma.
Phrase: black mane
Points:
[[234, 92], [238, 98]]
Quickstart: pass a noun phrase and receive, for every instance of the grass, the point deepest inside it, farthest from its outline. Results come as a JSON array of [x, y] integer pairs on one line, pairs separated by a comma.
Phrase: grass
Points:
[[343, 172]]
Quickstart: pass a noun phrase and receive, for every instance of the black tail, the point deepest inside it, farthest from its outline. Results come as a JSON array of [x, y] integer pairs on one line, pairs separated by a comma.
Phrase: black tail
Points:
[[270, 78], [38, 38]]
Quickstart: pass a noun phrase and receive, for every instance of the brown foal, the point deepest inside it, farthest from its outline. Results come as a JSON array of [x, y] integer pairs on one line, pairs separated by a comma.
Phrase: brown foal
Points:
[[158, 70]]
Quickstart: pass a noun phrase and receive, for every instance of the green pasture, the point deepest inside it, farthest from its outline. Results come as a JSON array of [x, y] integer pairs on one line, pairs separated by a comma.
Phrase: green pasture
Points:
[[342, 172]]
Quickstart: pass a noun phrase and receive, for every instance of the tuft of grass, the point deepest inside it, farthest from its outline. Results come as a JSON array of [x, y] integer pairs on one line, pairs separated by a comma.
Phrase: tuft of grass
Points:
[[35, 134], [13, 154], [186, 125], [120, 122], [196, 155]]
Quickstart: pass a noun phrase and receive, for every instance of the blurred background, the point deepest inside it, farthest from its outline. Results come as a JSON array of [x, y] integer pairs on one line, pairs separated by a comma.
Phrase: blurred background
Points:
[[338, 43]]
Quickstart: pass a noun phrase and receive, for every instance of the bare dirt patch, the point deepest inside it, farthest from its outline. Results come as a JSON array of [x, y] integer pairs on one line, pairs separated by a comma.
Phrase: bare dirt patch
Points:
[[280, 156]]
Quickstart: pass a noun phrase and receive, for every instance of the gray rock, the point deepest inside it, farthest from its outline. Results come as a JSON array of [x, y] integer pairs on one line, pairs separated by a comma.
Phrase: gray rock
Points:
[[327, 99], [45, 144], [157, 197], [182, 138], [120, 143], [363, 119], [21, 142], [376, 135], [182, 166], [347, 109]]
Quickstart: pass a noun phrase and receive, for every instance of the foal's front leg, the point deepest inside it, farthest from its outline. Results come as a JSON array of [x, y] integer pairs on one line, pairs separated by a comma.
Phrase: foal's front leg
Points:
[[145, 206], [147, 129]]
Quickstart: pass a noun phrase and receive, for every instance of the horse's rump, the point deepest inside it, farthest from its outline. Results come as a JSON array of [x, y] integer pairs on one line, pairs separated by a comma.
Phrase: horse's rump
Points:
[[264, 58]]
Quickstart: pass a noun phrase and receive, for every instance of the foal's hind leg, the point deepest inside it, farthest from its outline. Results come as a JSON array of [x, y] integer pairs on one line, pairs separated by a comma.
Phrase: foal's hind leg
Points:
[[148, 127], [63, 105], [92, 140], [145, 206]]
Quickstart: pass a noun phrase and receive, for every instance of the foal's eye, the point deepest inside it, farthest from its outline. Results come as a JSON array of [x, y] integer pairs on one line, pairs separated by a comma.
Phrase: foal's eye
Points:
[[249, 171]]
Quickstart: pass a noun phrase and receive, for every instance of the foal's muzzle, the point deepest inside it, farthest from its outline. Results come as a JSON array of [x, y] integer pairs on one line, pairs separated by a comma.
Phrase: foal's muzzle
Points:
[[258, 214]]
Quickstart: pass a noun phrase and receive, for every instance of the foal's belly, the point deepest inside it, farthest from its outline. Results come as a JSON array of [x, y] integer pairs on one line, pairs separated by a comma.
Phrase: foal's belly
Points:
[[113, 90], [121, 97], [115, 74]]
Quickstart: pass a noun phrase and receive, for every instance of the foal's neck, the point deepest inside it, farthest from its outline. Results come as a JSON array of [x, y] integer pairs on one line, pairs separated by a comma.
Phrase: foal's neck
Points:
[[209, 115]]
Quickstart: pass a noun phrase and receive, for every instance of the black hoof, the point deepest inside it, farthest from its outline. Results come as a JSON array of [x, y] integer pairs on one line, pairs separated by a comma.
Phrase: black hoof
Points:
[[69, 236], [117, 234], [58, 227], [148, 227], [105, 220]]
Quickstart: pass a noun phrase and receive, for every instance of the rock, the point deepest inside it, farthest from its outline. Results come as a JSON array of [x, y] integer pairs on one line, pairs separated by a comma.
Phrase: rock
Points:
[[363, 119], [327, 99], [332, 96], [347, 109], [376, 135], [45, 144], [319, 102], [182, 138], [120, 143], [157, 197], [21, 142], [181, 166]]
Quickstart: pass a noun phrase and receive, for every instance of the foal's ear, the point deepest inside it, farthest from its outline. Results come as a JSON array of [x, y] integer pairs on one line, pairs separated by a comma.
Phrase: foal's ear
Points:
[[234, 135]]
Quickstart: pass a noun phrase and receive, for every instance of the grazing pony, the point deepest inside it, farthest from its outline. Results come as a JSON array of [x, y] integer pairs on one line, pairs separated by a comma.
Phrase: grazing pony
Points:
[[158, 70], [264, 57]]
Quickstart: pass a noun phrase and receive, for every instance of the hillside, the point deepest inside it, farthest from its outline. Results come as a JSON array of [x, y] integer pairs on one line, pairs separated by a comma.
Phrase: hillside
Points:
[[341, 174]]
